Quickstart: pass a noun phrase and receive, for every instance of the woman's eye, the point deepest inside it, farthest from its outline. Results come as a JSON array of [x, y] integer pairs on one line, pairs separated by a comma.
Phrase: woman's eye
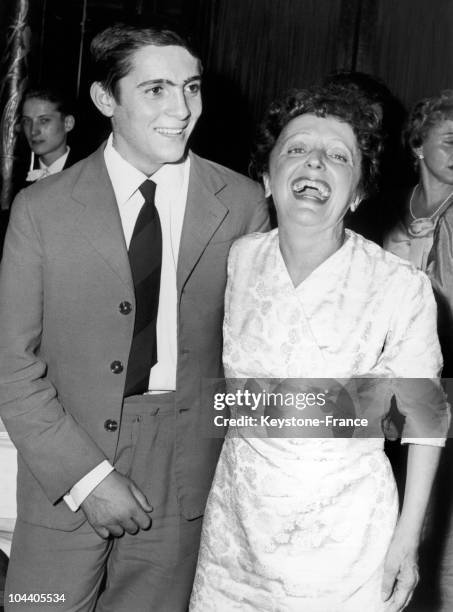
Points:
[[339, 156], [297, 150]]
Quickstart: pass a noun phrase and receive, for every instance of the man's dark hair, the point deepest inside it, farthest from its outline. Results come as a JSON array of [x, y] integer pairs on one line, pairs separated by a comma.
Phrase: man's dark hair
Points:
[[63, 102], [113, 48]]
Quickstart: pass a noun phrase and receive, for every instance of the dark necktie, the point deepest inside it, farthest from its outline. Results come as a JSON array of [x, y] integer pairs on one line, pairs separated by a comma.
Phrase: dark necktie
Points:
[[145, 258]]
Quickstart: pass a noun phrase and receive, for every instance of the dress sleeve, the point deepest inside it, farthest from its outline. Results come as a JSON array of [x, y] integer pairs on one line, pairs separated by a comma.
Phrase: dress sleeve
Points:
[[414, 357], [440, 271]]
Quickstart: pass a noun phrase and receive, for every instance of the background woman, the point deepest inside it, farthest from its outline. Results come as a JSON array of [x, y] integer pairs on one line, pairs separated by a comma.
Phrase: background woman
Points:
[[429, 137], [309, 524], [423, 235]]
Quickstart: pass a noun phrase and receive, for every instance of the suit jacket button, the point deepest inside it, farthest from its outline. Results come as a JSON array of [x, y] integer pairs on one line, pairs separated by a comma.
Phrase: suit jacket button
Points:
[[125, 307], [116, 367], [110, 425]]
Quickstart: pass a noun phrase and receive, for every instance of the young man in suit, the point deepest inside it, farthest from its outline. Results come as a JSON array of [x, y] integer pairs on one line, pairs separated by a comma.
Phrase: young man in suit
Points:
[[111, 307]]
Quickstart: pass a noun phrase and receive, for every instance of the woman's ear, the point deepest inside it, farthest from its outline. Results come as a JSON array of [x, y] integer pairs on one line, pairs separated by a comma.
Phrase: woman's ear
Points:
[[355, 203], [267, 185], [418, 151]]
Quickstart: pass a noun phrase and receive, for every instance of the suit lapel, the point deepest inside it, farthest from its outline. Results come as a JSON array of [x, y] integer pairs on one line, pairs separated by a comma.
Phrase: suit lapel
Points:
[[100, 220], [71, 159], [204, 213]]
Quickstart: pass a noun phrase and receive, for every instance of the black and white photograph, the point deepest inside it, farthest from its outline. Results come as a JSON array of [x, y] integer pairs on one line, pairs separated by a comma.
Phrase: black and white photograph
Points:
[[226, 305]]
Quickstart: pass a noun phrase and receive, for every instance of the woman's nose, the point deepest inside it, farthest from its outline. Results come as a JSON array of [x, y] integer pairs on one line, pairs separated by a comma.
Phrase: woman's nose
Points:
[[315, 159]]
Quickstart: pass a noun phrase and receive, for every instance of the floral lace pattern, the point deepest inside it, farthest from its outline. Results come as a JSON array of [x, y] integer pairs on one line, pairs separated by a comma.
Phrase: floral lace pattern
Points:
[[304, 524]]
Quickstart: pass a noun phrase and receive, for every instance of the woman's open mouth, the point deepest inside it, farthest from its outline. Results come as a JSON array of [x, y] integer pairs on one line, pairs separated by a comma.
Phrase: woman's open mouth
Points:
[[312, 189]]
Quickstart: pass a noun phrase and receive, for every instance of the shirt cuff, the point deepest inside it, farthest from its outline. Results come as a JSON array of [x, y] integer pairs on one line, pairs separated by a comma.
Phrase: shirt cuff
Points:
[[425, 441], [83, 488]]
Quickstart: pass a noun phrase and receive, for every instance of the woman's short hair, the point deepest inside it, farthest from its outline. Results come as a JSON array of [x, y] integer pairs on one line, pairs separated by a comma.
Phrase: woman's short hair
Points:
[[425, 114], [336, 101], [112, 50]]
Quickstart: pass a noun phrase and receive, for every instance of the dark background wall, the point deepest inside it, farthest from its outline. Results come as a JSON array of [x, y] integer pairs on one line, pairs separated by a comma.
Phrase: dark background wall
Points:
[[252, 51]]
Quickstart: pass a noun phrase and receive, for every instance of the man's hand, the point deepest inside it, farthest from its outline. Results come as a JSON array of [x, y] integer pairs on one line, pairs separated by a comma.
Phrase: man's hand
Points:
[[116, 505]]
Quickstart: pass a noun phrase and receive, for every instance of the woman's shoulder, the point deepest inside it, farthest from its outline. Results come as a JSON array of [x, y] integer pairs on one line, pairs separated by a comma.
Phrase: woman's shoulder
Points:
[[254, 242], [382, 264], [251, 250], [447, 215]]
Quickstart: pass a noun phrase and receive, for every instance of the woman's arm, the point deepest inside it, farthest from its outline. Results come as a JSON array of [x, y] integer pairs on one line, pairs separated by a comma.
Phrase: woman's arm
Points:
[[401, 570], [415, 360]]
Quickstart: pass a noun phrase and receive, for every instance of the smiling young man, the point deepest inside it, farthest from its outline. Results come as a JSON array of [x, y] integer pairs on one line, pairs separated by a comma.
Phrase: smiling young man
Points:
[[111, 310]]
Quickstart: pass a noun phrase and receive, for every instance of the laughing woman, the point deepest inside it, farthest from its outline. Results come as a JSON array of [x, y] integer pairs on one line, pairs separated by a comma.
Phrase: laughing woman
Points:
[[296, 524]]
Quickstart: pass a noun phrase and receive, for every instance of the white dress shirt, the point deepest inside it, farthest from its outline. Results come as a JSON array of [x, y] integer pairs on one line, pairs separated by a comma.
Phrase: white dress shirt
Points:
[[43, 170], [172, 182], [57, 165]]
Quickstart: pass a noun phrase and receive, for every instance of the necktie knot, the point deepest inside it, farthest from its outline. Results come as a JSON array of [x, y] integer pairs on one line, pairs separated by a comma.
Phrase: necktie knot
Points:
[[148, 190]]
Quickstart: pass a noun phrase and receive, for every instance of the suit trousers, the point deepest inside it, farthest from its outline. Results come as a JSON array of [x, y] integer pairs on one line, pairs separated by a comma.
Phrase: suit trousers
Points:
[[151, 571]]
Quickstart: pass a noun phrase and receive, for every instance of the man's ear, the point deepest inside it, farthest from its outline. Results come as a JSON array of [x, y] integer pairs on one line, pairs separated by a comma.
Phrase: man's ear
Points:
[[103, 100], [267, 185], [69, 123]]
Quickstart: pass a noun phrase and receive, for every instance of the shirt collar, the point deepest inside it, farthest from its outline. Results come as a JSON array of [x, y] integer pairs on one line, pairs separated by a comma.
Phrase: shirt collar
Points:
[[57, 165], [126, 179]]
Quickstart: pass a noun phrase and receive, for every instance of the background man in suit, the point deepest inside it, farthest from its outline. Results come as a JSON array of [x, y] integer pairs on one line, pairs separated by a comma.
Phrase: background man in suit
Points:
[[111, 307], [47, 118]]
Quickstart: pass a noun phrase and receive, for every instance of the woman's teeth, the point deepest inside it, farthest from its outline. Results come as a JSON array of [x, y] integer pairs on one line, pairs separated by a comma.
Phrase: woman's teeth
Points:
[[311, 188]]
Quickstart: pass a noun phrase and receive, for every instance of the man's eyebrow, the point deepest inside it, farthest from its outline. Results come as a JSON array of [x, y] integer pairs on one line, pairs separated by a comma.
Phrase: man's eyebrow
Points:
[[150, 82], [37, 116]]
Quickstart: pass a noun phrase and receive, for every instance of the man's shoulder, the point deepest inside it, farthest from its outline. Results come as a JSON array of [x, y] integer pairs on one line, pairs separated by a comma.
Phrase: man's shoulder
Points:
[[47, 192], [214, 174], [75, 155], [61, 180]]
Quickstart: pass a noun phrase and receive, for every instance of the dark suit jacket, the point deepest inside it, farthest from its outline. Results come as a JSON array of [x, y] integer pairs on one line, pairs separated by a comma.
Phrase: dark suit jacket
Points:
[[65, 270]]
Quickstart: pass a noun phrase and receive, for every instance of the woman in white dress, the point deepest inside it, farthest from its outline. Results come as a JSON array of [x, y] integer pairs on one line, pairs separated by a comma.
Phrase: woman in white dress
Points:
[[310, 524]]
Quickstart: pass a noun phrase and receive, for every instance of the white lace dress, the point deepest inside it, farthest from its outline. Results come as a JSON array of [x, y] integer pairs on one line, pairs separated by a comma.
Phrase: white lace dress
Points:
[[304, 524]]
